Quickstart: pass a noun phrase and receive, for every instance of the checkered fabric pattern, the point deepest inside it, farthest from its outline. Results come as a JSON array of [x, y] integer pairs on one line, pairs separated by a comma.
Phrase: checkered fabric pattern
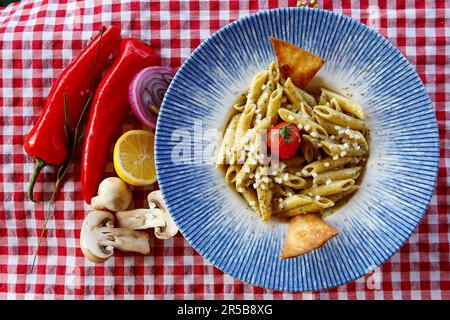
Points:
[[39, 38]]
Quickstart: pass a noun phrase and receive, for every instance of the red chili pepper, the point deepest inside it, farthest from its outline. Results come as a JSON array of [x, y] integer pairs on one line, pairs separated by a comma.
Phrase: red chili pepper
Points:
[[47, 140], [108, 110]]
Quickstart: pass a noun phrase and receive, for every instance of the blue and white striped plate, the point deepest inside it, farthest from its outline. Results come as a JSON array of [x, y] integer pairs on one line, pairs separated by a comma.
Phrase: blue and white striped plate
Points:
[[397, 185]]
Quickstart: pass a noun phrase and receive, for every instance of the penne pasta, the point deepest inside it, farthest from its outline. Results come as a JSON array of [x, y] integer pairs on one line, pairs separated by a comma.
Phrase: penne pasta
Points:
[[249, 136], [333, 104], [309, 99], [304, 123], [241, 101], [244, 123], [291, 202], [307, 150], [261, 104], [340, 174], [348, 105], [295, 161], [231, 172], [264, 194], [324, 165], [242, 175], [342, 150], [282, 190], [305, 109], [339, 118], [296, 95], [339, 196], [315, 143], [255, 156], [295, 170], [308, 182], [274, 105], [290, 180], [316, 206], [328, 189], [327, 125], [336, 132], [323, 99], [225, 151], [252, 199], [292, 94], [256, 86], [274, 74], [239, 107]]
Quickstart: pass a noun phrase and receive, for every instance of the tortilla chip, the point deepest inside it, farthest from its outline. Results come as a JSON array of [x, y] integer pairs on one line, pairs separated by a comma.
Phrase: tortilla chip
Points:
[[306, 232], [295, 63]]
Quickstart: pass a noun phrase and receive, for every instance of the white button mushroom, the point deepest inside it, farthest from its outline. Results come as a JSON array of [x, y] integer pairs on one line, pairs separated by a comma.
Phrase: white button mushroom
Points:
[[171, 228], [113, 195], [98, 237], [140, 219], [157, 216]]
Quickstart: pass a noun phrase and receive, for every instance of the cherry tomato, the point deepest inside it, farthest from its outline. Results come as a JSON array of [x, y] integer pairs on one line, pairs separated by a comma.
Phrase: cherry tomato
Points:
[[284, 140]]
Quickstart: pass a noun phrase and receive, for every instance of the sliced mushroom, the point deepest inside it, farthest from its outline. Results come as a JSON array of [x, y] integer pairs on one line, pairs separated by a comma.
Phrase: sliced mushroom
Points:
[[140, 219], [155, 199], [113, 195], [157, 217], [98, 237]]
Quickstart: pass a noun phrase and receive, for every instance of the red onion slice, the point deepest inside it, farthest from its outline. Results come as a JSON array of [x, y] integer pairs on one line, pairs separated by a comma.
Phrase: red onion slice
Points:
[[146, 92]]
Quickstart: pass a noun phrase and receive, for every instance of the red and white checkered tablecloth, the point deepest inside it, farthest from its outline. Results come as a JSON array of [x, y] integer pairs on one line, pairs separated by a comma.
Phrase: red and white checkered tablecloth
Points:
[[39, 38]]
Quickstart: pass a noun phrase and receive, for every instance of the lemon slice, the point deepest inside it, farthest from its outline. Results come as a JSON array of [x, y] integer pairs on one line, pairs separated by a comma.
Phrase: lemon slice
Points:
[[133, 158]]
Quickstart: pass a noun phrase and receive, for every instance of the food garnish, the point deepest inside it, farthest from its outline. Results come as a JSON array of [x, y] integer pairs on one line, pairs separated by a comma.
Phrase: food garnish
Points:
[[146, 93], [133, 158], [306, 232], [296, 63], [284, 140], [109, 108]]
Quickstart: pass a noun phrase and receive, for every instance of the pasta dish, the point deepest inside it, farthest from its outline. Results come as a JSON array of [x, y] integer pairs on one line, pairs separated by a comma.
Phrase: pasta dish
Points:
[[290, 154]]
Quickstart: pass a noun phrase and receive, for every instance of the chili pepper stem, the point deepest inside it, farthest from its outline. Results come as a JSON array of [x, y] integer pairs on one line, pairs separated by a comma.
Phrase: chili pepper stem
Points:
[[72, 141], [63, 169], [38, 166], [47, 218]]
